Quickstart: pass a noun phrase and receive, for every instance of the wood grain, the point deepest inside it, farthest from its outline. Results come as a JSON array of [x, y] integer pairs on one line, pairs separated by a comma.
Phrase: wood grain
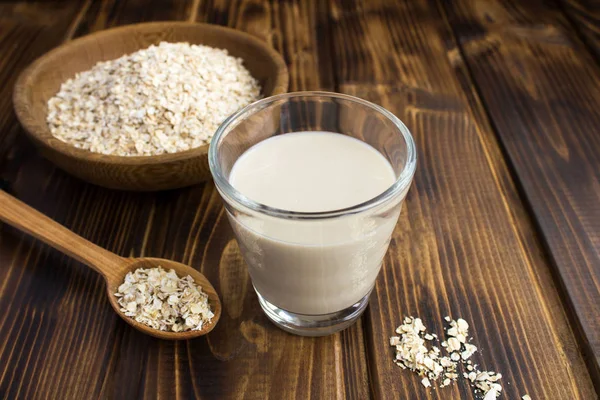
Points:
[[75, 348], [463, 245], [466, 244], [245, 357], [299, 30], [335, 366], [104, 14], [584, 16], [35, 27], [540, 87], [109, 265]]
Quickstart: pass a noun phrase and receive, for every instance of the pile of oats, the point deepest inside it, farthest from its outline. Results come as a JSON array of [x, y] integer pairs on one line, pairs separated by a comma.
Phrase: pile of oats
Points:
[[413, 354], [162, 300], [163, 99]]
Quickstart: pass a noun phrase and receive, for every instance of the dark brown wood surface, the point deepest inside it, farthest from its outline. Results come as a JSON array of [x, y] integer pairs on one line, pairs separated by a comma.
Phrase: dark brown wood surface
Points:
[[548, 124], [501, 101], [110, 266], [584, 15]]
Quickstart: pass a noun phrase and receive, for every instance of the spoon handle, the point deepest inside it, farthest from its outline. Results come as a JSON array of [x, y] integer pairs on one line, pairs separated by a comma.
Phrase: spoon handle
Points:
[[18, 214]]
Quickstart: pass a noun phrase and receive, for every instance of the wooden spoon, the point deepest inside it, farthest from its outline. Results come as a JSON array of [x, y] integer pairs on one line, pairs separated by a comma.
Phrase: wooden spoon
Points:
[[111, 266]]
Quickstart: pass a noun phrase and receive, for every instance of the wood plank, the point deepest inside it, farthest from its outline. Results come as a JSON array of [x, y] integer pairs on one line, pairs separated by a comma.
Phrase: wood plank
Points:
[[27, 29], [299, 30], [540, 87], [464, 245], [285, 366], [75, 337], [585, 18], [55, 310], [105, 14]]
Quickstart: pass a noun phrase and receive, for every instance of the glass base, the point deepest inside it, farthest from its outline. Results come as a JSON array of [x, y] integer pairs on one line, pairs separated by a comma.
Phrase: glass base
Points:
[[313, 325]]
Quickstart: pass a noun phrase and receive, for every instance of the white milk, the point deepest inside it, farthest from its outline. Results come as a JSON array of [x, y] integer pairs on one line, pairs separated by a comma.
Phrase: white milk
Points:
[[314, 266]]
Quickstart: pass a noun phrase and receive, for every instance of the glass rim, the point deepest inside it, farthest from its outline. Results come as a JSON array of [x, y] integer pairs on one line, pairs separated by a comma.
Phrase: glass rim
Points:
[[231, 194]]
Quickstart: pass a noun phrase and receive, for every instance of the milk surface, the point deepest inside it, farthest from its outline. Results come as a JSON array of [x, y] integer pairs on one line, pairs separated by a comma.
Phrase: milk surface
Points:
[[314, 266], [311, 172]]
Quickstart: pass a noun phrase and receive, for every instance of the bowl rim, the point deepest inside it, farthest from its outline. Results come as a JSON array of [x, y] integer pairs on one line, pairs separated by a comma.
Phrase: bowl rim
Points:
[[44, 136]]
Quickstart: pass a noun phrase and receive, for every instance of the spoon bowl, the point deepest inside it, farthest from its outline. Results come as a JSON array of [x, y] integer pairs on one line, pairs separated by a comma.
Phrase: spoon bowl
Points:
[[131, 264], [111, 266]]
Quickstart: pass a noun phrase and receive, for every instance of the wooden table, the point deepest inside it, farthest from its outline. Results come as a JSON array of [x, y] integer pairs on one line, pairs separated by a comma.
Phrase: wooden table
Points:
[[501, 226]]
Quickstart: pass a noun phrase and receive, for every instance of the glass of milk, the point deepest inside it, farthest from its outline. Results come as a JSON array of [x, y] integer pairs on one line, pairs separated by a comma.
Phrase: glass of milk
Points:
[[313, 184]]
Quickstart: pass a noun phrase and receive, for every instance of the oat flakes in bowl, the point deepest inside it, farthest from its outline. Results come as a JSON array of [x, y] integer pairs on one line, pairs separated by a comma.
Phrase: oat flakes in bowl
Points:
[[43, 79], [164, 99]]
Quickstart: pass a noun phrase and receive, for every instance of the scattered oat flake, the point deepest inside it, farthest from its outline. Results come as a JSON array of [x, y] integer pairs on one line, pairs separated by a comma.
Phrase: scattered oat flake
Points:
[[463, 326], [412, 354], [164, 301], [495, 377], [482, 376], [453, 344], [469, 351], [526, 397], [490, 395]]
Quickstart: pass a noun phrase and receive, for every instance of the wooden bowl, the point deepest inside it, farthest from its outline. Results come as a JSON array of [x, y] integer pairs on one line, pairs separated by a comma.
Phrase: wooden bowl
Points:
[[42, 80]]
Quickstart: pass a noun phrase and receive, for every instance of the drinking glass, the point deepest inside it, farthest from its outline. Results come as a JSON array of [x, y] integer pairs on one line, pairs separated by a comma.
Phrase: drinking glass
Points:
[[318, 280]]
